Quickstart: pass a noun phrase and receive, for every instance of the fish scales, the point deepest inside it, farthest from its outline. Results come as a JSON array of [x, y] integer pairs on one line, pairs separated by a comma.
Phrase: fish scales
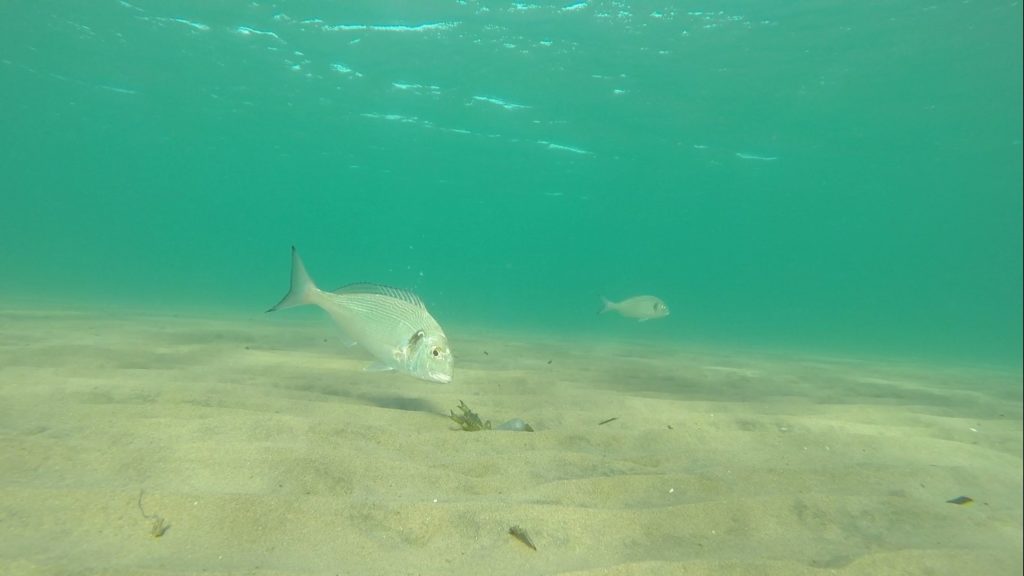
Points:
[[392, 324]]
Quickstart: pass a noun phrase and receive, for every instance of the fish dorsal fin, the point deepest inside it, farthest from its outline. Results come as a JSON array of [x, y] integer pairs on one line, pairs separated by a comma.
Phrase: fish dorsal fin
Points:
[[381, 290]]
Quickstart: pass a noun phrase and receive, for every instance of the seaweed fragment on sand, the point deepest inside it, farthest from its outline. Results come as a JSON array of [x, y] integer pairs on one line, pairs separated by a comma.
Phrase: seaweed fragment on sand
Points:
[[469, 420], [960, 500], [521, 535], [159, 526]]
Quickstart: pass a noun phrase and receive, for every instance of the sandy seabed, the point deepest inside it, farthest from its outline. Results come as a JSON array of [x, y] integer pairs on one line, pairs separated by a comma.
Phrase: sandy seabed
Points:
[[267, 450]]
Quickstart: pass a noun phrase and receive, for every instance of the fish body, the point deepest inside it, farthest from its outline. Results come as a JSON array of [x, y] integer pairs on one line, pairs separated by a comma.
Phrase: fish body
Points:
[[391, 324], [642, 308]]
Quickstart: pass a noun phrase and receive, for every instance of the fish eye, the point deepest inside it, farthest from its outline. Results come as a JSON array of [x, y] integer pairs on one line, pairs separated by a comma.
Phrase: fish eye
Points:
[[657, 305], [435, 352]]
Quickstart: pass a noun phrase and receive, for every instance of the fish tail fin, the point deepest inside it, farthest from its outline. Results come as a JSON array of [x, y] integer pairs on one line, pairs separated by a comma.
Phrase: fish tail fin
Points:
[[607, 305], [302, 290]]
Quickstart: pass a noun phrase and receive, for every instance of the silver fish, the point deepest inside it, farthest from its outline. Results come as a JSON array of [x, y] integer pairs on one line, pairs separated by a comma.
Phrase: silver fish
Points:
[[640, 307], [391, 324]]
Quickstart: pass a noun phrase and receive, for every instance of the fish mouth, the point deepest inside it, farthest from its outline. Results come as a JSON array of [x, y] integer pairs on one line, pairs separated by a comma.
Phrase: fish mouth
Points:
[[441, 377]]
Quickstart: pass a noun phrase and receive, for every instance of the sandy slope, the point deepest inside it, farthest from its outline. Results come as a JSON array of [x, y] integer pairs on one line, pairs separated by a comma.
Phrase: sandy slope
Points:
[[270, 452]]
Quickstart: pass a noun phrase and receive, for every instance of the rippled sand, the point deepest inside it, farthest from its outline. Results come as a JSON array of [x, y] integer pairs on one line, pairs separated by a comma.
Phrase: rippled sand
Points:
[[268, 451]]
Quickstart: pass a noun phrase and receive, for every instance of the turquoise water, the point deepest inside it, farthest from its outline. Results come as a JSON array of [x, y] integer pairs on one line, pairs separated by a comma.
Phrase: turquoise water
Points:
[[825, 175]]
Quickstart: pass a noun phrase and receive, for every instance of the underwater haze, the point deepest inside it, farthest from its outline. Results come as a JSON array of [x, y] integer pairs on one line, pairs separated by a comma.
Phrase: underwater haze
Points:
[[818, 175], [805, 218]]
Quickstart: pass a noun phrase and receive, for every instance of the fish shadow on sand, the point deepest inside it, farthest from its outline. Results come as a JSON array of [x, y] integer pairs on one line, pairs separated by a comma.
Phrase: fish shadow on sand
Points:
[[389, 401], [401, 403]]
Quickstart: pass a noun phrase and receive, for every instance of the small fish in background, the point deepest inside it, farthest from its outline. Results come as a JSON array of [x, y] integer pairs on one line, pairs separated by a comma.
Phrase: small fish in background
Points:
[[642, 308], [391, 324]]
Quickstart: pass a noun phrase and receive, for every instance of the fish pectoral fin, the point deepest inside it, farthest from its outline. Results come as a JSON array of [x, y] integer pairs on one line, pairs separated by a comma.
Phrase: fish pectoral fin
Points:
[[378, 367]]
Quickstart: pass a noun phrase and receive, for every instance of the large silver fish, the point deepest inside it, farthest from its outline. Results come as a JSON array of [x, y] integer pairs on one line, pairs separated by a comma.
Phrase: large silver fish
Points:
[[640, 307], [391, 324]]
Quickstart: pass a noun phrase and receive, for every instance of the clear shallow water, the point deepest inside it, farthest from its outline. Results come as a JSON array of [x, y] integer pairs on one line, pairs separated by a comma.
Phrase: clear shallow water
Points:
[[813, 175]]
